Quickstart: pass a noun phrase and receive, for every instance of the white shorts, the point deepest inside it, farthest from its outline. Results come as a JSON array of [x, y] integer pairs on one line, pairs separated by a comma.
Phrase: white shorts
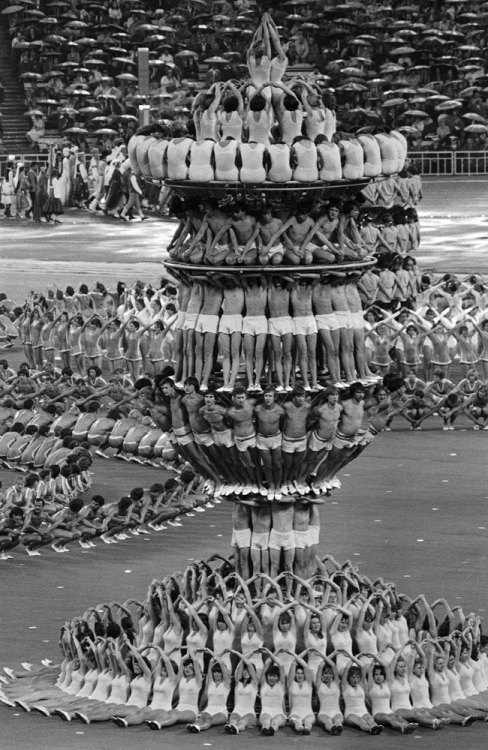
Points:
[[304, 325], [204, 438], [223, 438], [268, 443], [343, 318], [316, 443], [207, 323], [243, 443], [275, 250], [183, 435], [314, 535], [241, 538], [327, 322], [230, 324], [357, 319], [254, 325], [293, 445], [189, 321], [281, 539], [303, 539], [260, 540], [280, 326]]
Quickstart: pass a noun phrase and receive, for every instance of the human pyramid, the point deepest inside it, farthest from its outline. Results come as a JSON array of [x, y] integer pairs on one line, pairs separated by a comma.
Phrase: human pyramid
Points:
[[255, 135], [208, 648]]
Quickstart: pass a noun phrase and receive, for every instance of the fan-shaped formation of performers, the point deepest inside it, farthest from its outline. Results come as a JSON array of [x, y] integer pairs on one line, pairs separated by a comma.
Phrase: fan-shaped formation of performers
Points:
[[207, 648]]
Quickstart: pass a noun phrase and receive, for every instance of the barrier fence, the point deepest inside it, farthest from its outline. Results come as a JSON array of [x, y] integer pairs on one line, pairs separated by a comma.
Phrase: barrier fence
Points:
[[429, 162], [450, 162]]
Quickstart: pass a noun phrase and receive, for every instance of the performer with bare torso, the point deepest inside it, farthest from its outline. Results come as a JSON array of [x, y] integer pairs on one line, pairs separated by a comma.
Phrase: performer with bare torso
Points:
[[269, 421]]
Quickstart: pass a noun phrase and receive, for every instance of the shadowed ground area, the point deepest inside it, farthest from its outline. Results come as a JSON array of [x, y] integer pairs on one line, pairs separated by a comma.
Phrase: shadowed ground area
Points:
[[412, 508]]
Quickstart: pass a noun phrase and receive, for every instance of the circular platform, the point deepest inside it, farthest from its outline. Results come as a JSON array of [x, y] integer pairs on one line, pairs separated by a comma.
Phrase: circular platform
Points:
[[315, 270], [264, 192]]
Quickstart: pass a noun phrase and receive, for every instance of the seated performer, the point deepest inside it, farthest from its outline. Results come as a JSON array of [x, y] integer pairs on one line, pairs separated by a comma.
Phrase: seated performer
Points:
[[267, 226]]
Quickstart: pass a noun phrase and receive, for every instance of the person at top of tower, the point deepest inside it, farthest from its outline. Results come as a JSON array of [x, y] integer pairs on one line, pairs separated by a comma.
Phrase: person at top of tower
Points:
[[259, 57]]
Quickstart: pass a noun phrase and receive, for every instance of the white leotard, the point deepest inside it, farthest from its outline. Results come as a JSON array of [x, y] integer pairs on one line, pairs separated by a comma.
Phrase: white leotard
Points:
[[306, 156], [288, 641], [252, 169], [300, 695], [329, 699], [231, 127], [90, 681], [201, 169], [225, 153], [272, 699], [466, 675], [217, 698], [173, 640], [380, 699], [102, 689], [120, 689], [245, 698], [354, 701], [163, 690], [222, 640], [140, 688], [439, 685], [455, 689], [189, 690], [280, 169], [419, 692], [342, 640], [400, 694]]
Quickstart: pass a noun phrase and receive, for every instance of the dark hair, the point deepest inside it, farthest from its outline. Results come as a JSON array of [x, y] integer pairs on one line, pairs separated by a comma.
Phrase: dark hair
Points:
[[257, 103]]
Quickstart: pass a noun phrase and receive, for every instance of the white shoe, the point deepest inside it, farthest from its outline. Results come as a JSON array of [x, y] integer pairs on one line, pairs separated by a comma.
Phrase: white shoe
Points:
[[33, 553], [9, 672], [271, 495], [189, 515], [280, 389], [143, 531], [107, 540], [83, 545], [209, 505], [263, 491], [174, 523], [46, 662], [134, 532], [200, 509], [277, 495]]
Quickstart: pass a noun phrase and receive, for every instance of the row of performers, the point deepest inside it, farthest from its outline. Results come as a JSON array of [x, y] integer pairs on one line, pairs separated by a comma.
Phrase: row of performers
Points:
[[236, 234], [296, 159], [277, 447], [274, 324]]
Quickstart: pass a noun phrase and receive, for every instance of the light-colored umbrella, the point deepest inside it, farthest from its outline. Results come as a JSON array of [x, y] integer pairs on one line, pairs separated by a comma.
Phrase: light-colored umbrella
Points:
[[476, 128]]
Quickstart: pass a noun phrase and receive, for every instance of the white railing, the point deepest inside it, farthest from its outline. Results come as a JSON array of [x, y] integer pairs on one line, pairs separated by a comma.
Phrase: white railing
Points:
[[450, 162]]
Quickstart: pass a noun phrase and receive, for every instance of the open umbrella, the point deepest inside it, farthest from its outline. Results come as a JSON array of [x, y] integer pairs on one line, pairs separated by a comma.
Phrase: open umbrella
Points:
[[12, 9], [127, 77], [474, 117], [215, 60], [408, 130], [416, 113], [75, 130], [352, 86], [476, 128], [186, 53], [395, 102], [446, 106], [86, 111], [105, 131], [31, 76]]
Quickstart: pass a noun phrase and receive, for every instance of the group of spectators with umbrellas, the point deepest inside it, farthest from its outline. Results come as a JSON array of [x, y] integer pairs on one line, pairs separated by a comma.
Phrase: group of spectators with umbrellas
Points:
[[418, 67]]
